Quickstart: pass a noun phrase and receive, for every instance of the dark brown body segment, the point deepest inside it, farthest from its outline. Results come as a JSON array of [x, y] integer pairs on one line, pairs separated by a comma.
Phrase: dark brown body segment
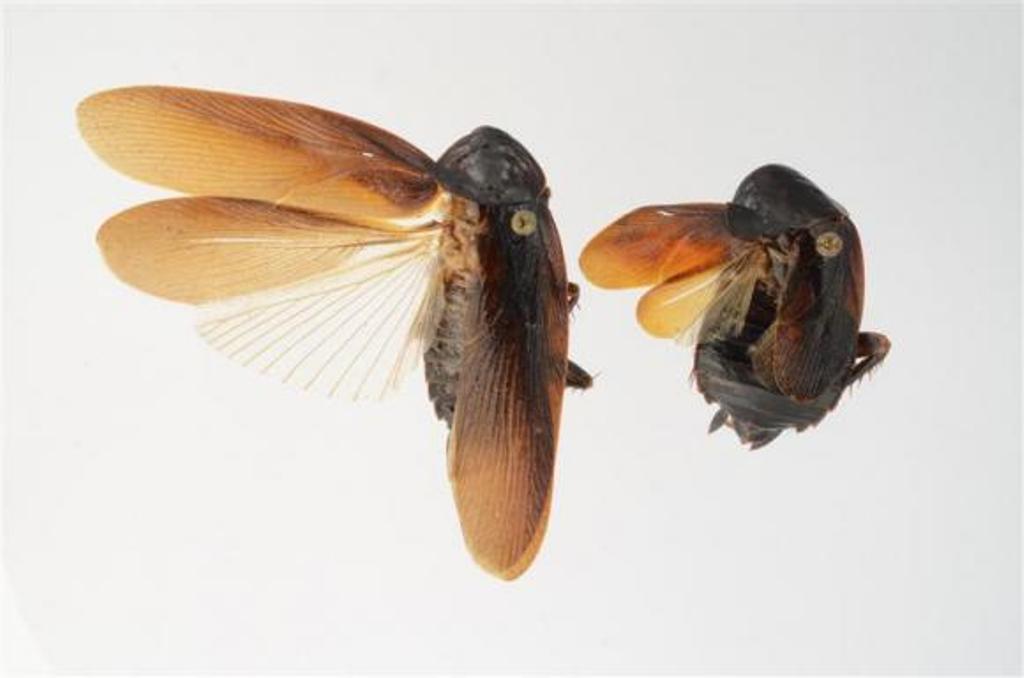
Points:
[[498, 365], [798, 347]]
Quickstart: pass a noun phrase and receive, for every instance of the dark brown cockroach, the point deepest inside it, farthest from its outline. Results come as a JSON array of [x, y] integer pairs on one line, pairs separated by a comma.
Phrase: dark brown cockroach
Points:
[[772, 286], [332, 254]]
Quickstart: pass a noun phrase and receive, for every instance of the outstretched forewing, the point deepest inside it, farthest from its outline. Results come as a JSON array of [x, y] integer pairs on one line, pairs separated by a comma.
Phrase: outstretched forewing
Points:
[[653, 244], [212, 143], [691, 253], [331, 306]]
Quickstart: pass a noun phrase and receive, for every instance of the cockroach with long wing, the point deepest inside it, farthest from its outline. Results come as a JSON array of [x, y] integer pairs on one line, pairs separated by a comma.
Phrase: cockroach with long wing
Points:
[[773, 285], [333, 254]]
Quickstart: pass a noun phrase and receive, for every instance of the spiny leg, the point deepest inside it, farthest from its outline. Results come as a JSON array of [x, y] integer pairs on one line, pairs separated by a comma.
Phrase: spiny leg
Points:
[[872, 348], [573, 293], [576, 376]]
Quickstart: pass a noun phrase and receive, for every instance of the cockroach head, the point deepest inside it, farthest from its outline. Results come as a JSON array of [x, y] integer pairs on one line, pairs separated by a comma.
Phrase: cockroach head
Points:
[[490, 167], [782, 196]]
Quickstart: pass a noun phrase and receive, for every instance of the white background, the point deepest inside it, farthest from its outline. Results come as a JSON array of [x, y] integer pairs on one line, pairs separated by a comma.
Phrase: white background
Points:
[[165, 509]]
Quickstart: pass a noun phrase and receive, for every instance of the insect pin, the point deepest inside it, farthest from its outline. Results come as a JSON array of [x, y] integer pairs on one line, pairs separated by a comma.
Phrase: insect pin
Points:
[[771, 287], [333, 255]]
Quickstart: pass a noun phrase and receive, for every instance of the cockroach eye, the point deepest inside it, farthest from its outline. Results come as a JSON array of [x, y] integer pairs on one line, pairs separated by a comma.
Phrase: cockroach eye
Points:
[[524, 222], [829, 244]]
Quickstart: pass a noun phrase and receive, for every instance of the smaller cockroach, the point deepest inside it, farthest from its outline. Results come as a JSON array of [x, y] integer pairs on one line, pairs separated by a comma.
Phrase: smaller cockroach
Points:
[[772, 286]]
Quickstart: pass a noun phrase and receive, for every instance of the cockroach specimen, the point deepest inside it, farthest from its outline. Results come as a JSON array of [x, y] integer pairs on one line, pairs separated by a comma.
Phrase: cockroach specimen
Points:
[[773, 284], [331, 253]]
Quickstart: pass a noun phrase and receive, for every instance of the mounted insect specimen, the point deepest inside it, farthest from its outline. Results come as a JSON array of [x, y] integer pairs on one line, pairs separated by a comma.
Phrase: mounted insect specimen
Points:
[[771, 285], [332, 254]]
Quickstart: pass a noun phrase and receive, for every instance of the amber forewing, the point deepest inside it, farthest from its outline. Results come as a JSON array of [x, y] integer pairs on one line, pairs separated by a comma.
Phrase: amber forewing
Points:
[[212, 143], [653, 244], [505, 430]]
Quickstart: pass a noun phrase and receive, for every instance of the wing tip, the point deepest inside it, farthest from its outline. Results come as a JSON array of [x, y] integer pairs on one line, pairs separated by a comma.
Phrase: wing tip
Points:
[[511, 573], [85, 112], [599, 259], [658, 330], [599, 267], [106, 241], [89, 106], [89, 114], [501, 567], [491, 554]]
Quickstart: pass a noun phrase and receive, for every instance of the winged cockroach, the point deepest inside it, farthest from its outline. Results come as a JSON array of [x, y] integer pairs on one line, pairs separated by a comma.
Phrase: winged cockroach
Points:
[[333, 254], [770, 284]]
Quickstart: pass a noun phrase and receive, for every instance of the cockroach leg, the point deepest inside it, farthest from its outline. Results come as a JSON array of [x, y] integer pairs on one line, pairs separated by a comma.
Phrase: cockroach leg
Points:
[[577, 377], [573, 291], [871, 351]]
